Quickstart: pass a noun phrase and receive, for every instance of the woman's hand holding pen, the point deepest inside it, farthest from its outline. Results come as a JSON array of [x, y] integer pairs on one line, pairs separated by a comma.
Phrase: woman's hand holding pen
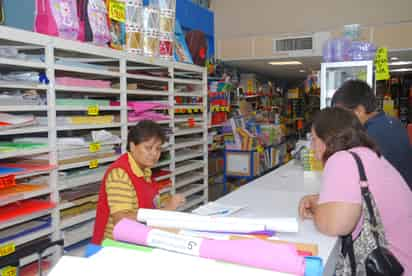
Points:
[[175, 202]]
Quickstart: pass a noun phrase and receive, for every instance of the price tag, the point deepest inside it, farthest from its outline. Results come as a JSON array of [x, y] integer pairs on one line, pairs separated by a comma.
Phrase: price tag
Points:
[[191, 122], [9, 271], [93, 110], [94, 147], [7, 181], [381, 64], [189, 111], [7, 249], [260, 149], [117, 10], [93, 164], [196, 110], [174, 242]]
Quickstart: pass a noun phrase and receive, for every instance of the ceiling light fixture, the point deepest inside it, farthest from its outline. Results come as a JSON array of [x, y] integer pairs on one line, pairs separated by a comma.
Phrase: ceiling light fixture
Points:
[[302, 71], [400, 63], [280, 63], [394, 58], [401, 70]]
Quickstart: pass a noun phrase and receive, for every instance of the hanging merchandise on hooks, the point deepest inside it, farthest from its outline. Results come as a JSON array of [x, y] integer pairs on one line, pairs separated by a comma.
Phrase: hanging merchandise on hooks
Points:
[[117, 18]]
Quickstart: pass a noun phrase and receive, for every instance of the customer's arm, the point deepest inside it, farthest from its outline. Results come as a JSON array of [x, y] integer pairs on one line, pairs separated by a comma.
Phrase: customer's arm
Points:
[[337, 209]]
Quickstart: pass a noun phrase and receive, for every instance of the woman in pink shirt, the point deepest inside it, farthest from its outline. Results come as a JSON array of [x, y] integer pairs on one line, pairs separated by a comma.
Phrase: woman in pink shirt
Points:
[[337, 209]]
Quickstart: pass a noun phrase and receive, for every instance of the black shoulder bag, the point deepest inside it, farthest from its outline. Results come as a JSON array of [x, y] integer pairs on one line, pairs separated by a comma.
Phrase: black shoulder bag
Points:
[[368, 254]]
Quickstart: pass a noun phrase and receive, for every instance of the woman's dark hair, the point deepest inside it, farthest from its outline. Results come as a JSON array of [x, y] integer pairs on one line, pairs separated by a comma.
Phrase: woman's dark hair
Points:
[[353, 93], [143, 131], [340, 129]]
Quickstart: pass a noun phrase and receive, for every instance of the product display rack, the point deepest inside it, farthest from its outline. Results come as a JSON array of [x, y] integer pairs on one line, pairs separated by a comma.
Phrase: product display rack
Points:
[[187, 139]]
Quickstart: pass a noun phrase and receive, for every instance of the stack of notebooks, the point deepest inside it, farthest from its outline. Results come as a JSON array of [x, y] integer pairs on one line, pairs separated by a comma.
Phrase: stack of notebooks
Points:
[[9, 121]]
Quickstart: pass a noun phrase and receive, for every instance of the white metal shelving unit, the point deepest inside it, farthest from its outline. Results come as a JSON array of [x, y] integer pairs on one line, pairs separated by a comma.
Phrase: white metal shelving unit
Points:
[[139, 79]]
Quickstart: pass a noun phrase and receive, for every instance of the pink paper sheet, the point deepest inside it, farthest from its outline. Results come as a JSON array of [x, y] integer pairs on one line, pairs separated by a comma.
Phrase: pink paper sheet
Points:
[[256, 253], [69, 81], [131, 231], [139, 107], [147, 115]]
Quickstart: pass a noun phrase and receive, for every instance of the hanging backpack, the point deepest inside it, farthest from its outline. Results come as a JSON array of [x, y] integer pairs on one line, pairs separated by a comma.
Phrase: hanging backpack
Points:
[[57, 18], [97, 19], [85, 31], [197, 44]]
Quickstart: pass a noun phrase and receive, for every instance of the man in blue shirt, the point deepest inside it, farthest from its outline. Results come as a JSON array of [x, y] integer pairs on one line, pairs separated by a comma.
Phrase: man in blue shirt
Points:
[[387, 132]]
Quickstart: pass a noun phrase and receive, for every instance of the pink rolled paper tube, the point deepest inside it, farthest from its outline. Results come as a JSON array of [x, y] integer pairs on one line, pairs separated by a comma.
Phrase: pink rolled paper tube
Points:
[[131, 231], [256, 253]]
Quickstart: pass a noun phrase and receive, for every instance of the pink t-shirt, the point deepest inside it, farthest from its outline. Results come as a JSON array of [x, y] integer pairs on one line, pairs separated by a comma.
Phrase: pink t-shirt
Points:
[[392, 195]]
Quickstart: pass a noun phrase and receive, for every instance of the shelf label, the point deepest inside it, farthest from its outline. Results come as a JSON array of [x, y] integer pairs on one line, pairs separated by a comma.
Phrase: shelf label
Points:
[[93, 110], [9, 271], [6, 182], [191, 122], [381, 64], [260, 149], [7, 249], [117, 10], [94, 147], [93, 164]]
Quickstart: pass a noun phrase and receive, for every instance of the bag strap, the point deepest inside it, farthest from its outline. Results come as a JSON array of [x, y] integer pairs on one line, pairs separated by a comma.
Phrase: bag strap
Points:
[[347, 241], [366, 195]]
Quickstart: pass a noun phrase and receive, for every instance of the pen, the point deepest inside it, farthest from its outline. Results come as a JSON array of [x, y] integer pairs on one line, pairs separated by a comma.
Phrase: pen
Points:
[[219, 213]]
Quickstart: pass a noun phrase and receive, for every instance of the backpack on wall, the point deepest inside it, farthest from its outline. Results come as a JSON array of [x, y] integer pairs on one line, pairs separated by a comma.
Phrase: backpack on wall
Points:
[[57, 18], [97, 18], [197, 44], [85, 31]]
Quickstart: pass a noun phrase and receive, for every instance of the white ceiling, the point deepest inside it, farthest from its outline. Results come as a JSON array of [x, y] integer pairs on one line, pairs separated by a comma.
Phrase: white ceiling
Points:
[[292, 72]]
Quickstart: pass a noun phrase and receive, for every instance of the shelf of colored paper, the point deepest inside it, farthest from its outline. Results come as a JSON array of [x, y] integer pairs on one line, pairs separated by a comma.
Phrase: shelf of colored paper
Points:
[[188, 81], [85, 108], [23, 211], [22, 192], [191, 189], [70, 68], [24, 170], [6, 108], [140, 92], [81, 89], [24, 130], [189, 94], [186, 156], [22, 152], [188, 143], [65, 223], [192, 202], [188, 131], [184, 180], [95, 126], [188, 166], [23, 85], [76, 181], [87, 163]]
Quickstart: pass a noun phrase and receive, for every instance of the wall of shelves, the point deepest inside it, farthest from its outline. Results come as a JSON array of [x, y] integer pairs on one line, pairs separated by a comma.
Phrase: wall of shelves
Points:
[[76, 167]]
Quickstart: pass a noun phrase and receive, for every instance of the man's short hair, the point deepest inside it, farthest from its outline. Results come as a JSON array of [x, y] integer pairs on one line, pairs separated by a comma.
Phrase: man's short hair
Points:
[[354, 93]]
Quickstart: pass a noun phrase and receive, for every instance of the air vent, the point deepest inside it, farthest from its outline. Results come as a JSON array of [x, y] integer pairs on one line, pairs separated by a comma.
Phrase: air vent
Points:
[[294, 44]]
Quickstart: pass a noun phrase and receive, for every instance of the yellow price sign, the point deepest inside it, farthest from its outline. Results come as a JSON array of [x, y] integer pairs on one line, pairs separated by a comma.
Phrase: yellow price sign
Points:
[[7, 249], [381, 64], [117, 10], [93, 164], [93, 110], [9, 271], [94, 147], [260, 149]]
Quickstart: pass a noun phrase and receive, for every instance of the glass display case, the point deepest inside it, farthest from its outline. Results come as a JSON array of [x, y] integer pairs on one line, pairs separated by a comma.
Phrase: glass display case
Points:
[[334, 74]]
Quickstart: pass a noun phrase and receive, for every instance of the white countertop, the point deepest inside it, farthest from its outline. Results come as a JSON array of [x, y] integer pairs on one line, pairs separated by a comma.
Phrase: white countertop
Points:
[[277, 194]]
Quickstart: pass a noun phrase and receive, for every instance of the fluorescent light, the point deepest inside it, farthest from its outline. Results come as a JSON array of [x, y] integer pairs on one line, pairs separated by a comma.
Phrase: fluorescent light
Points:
[[302, 71], [400, 63], [394, 58], [401, 70], [280, 63]]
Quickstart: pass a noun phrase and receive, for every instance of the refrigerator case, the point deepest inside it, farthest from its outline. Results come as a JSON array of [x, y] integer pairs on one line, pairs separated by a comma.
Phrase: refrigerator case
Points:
[[334, 74]]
